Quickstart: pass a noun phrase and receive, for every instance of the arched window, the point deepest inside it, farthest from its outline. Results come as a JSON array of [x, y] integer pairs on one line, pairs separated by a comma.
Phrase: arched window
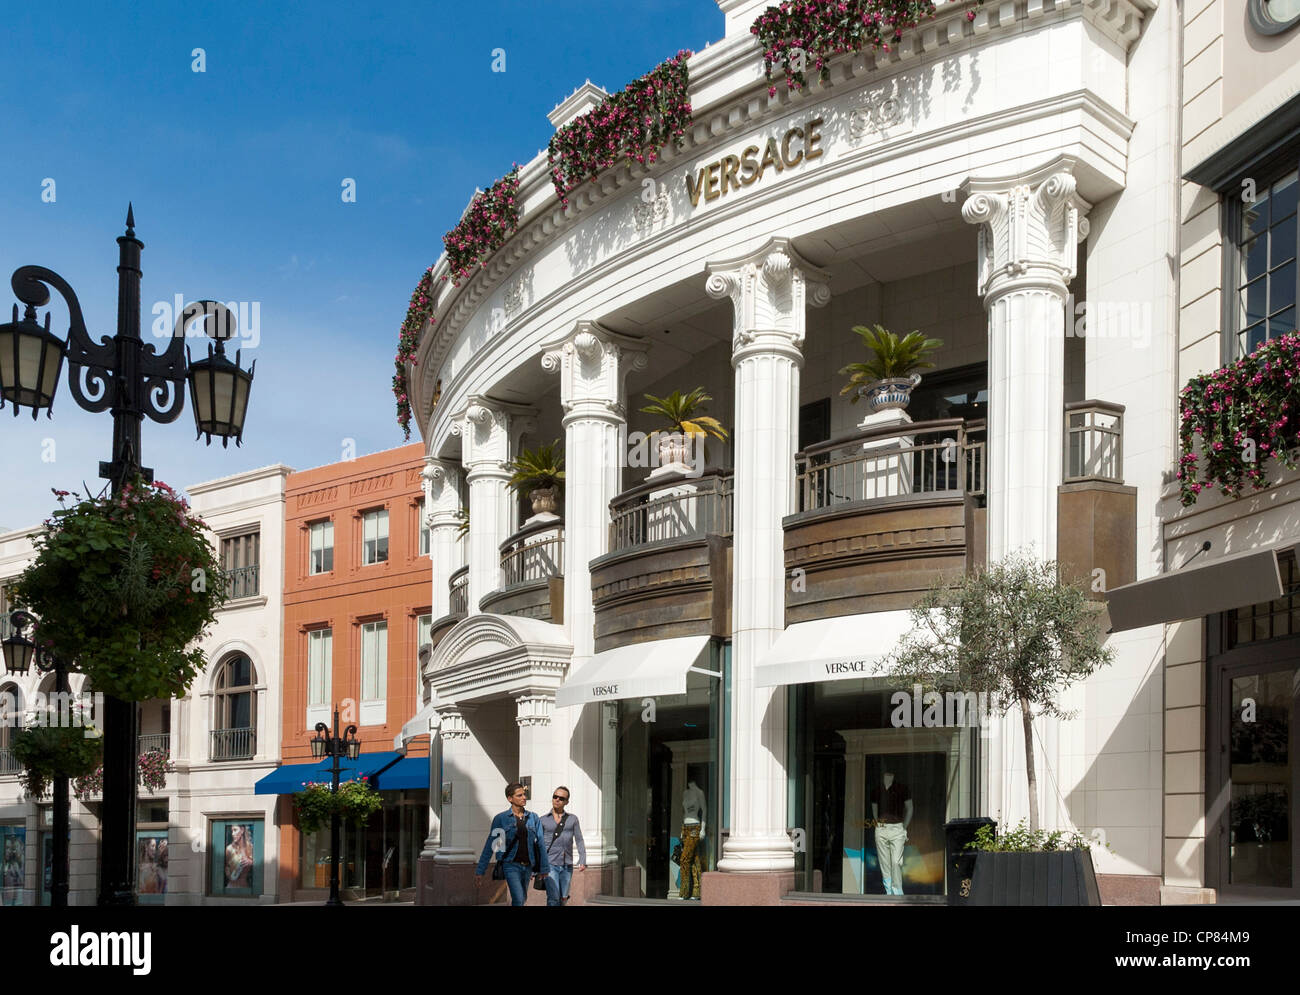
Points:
[[234, 717], [11, 720]]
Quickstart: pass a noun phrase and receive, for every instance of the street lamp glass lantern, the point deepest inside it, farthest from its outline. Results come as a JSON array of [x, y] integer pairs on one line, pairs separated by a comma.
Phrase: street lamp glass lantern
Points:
[[354, 746], [318, 745], [18, 654], [219, 395], [31, 358]]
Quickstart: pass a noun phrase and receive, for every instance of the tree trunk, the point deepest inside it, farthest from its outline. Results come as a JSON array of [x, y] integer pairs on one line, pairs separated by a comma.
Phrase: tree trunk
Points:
[[1030, 774]]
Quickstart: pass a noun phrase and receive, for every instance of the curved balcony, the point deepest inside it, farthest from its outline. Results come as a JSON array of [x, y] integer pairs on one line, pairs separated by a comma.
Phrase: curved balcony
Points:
[[458, 588], [880, 513], [668, 571], [532, 574], [1096, 514]]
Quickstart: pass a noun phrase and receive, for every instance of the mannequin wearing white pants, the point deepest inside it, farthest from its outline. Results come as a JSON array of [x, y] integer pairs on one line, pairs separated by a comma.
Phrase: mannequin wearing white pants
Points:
[[891, 833]]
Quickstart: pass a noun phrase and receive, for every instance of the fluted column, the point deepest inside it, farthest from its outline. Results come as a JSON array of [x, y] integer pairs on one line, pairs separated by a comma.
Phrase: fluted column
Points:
[[593, 363], [769, 290], [1029, 229], [458, 835], [489, 431], [441, 506]]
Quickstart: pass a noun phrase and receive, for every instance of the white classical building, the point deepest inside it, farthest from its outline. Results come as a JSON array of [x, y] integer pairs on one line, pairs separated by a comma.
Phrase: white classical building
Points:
[[221, 737], [690, 652]]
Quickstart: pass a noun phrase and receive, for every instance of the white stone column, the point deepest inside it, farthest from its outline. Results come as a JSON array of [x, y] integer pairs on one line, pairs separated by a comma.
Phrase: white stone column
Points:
[[457, 833], [489, 431], [593, 363], [539, 755], [769, 290], [1029, 229], [441, 505]]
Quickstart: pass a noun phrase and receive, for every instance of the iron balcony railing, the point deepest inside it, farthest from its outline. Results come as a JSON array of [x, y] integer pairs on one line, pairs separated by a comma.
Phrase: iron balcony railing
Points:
[[1094, 442], [232, 744], [159, 741], [241, 582], [8, 765], [674, 508], [931, 457], [458, 586], [533, 553]]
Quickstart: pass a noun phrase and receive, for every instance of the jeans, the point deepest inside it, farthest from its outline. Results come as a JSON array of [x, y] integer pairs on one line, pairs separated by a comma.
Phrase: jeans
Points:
[[517, 878], [890, 840], [557, 884]]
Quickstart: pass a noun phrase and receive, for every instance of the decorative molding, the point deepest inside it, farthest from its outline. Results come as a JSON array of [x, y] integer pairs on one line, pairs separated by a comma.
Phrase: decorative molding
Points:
[[885, 112], [453, 725], [532, 709], [593, 363], [318, 496], [368, 485], [769, 289], [647, 215]]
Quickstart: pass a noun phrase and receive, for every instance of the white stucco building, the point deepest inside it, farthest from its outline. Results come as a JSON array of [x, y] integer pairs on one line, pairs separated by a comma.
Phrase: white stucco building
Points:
[[680, 650]]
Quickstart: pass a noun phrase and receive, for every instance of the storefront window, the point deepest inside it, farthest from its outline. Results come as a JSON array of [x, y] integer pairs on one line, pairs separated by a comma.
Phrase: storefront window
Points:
[[235, 847], [870, 791], [661, 761], [13, 863], [315, 862], [378, 859]]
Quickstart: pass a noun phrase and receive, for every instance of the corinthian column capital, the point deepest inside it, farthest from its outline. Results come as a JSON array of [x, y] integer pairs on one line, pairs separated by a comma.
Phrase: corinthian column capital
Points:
[[770, 290], [489, 429], [441, 492], [593, 363], [1029, 229]]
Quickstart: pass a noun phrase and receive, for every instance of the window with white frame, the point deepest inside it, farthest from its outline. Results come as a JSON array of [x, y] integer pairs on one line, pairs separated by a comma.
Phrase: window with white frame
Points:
[[1262, 261], [374, 537], [320, 657], [322, 548], [374, 661], [424, 528], [423, 632]]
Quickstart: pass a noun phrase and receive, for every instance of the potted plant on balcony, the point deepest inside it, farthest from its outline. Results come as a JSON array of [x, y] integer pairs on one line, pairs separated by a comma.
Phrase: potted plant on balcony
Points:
[[686, 423], [1032, 867], [888, 378], [1013, 633], [540, 472]]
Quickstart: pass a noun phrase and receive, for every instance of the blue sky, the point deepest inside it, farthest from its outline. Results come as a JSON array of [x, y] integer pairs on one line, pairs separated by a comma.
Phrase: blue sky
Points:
[[236, 176]]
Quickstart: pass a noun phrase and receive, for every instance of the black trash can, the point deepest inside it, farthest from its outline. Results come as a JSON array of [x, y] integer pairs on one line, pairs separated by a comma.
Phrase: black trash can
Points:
[[959, 863]]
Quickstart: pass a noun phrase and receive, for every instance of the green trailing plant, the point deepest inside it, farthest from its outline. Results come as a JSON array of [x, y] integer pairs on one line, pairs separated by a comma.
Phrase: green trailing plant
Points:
[[1023, 839], [1013, 631], [1243, 414], [48, 747], [418, 311], [490, 219], [534, 469], [126, 586], [891, 357], [682, 413], [355, 802], [462, 519]]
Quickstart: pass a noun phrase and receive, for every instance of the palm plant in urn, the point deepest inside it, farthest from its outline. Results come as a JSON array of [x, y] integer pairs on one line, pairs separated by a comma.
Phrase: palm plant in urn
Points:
[[888, 378], [682, 413], [540, 472]]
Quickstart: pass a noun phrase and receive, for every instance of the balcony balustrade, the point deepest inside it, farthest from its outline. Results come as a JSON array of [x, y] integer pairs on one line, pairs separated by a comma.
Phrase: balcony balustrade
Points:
[[242, 582], [672, 509], [155, 741], [1094, 442], [232, 744], [532, 574], [458, 588], [8, 765]]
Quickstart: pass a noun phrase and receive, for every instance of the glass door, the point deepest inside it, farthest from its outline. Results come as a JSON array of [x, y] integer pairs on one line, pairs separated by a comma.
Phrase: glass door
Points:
[[1258, 779]]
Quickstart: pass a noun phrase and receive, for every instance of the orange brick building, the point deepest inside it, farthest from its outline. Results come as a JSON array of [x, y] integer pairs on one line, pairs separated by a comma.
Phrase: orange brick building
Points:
[[356, 610]]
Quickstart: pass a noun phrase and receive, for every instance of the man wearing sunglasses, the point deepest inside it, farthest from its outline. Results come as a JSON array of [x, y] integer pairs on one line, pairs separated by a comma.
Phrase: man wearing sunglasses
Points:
[[560, 830]]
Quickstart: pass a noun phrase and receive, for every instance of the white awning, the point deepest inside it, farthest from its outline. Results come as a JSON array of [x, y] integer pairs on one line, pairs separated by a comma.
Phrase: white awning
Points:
[[832, 649], [645, 670], [1199, 589], [425, 720]]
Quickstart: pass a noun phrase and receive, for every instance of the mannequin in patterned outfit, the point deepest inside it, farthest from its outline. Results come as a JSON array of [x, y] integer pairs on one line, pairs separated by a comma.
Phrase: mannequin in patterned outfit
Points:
[[692, 832]]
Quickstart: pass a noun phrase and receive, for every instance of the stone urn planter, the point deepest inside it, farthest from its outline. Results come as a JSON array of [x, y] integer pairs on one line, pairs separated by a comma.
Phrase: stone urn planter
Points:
[[545, 500], [674, 447], [1057, 877], [892, 394]]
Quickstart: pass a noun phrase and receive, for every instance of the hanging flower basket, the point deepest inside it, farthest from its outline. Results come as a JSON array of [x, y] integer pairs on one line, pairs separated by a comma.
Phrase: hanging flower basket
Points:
[[48, 749], [125, 587], [151, 770], [355, 802]]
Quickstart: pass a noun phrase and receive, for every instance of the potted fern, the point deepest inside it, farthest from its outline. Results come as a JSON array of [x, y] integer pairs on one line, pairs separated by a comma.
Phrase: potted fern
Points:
[[682, 412], [888, 378], [540, 472]]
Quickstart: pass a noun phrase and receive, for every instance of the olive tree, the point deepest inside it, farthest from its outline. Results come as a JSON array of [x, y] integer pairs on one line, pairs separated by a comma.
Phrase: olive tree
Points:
[[1014, 631]]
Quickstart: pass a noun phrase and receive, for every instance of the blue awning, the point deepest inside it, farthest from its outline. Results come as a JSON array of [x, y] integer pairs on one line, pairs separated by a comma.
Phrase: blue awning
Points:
[[410, 773], [290, 778]]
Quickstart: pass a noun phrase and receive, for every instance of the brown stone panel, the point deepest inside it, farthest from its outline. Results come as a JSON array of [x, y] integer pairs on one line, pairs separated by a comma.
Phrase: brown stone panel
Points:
[[661, 591], [531, 599], [877, 556], [1097, 529]]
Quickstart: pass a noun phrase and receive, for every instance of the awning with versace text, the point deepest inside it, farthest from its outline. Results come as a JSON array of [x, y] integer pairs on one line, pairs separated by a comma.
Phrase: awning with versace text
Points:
[[645, 670], [1199, 589], [832, 649]]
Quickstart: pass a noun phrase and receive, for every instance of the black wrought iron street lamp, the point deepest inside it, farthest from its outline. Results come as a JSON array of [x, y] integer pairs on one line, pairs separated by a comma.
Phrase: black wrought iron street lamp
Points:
[[337, 747], [20, 653], [121, 375]]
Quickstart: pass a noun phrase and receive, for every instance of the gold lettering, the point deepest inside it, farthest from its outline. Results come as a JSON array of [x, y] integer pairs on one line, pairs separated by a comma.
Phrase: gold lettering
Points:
[[711, 190], [749, 163], [812, 137], [730, 165], [785, 147], [693, 187], [771, 157]]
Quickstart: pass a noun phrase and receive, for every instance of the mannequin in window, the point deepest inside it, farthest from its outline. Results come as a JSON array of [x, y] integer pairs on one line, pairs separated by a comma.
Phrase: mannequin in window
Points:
[[891, 811], [693, 803]]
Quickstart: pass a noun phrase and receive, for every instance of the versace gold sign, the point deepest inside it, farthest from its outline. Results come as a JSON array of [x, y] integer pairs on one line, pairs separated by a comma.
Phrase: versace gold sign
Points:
[[732, 172]]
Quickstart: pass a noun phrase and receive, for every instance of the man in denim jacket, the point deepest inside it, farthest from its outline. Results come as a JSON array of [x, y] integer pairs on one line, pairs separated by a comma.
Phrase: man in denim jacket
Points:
[[521, 854], [561, 830]]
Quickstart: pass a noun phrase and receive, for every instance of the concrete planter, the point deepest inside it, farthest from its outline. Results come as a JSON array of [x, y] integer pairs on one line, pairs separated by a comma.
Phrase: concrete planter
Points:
[[1064, 877]]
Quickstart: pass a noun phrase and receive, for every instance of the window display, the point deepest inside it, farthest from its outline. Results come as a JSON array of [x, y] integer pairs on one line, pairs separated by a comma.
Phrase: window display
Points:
[[236, 849], [13, 864], [151, 866]]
